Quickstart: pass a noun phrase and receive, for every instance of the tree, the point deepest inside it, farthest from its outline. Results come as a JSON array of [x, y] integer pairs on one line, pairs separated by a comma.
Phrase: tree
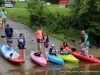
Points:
[[85, 14]]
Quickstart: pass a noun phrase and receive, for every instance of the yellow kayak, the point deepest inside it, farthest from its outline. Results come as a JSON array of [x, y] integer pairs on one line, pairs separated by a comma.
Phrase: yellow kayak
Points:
[[69, 58]]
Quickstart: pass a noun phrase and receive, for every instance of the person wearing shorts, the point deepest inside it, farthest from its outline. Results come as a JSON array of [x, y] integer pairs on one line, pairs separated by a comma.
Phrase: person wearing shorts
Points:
[[9, 35], [0, 21], [3, 14], [46, 43], [38, 35], [22, 41]]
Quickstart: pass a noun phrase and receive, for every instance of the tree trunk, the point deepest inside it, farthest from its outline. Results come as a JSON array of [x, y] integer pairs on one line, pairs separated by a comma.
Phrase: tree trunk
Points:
[[0, 5]]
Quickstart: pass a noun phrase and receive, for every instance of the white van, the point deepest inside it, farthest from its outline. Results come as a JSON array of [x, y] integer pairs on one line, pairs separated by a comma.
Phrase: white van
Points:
[[8, 5]]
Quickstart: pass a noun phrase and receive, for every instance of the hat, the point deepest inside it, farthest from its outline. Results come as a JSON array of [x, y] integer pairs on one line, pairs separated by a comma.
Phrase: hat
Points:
[[52, 45]]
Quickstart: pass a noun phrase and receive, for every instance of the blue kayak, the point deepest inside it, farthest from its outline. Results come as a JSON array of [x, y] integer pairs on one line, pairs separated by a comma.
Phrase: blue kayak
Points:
[[10, 54], [55, 59]]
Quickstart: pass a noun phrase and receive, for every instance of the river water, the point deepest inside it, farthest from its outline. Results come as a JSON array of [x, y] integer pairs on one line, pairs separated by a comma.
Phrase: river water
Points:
[[30, 67], [81, 68]]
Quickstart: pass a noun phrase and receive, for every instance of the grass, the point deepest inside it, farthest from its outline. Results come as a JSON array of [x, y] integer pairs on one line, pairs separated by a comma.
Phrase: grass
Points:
[[20, 4], [19, 13]]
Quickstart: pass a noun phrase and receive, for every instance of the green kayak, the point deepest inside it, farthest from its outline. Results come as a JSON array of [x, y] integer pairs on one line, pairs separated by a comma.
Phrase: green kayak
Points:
[[69, 58]]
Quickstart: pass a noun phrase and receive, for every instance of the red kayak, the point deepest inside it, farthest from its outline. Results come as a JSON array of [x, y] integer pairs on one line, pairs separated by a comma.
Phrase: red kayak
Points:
[[79, 55]]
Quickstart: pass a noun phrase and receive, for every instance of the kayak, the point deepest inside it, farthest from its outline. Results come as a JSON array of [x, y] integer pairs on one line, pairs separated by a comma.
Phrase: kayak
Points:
[[55, 59], [69, 58], [79, 55], [38, 59], [10, 54]]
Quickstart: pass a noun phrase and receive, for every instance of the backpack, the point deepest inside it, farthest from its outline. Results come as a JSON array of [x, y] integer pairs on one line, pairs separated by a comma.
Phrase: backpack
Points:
[[8, 31]]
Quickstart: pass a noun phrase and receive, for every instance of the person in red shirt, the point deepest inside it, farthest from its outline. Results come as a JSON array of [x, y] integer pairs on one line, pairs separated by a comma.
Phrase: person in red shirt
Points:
[[38, 35], [64, 48]]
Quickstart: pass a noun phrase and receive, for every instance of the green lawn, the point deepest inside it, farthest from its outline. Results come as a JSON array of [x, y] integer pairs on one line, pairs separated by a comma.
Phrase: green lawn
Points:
[[20, 4], [23, 5], [20, 13]]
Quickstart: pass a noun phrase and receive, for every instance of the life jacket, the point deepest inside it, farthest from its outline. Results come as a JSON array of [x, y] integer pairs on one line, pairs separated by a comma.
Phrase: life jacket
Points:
[[47, 40], [62, 47], [82, 38], [8, 31], [21, 40], [52, 50]]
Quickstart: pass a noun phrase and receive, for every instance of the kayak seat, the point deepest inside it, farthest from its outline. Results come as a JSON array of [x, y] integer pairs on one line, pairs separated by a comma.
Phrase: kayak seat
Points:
[[37, 54]]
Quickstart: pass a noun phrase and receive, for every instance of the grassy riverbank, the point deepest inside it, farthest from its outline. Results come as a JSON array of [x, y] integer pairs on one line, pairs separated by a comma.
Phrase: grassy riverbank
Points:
[[21, 14]]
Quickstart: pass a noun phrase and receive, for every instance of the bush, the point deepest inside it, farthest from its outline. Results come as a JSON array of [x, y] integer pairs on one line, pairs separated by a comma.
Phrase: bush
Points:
[[1, 2]]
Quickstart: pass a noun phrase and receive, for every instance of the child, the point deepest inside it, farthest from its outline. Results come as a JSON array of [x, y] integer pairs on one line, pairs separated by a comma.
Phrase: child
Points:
[[64, 48], [52, 50], [0, 21], [85, 51]]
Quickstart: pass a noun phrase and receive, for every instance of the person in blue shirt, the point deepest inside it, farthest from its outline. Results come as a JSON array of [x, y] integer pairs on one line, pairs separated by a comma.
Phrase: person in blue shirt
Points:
[[9, 35], [84, 51], [84, 39], [4, 16], [21, 43], [53, 50]]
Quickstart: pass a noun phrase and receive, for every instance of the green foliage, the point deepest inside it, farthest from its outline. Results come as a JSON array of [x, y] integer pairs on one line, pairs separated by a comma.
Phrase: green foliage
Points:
[[85, 15], [66, 22], [1, 1], [54, 23], [20, 15]]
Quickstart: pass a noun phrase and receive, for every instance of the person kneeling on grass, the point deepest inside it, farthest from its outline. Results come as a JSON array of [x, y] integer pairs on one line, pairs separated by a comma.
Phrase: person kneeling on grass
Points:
[[53, 50], [84, 51]]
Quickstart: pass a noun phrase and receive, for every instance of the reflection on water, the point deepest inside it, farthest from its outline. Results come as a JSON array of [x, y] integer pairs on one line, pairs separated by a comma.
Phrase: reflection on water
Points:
[[81, 68], [18, 71]]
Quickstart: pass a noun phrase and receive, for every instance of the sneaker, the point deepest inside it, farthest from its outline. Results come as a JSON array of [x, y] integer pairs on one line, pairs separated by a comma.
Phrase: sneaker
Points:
[[23, 62], [40, 52]]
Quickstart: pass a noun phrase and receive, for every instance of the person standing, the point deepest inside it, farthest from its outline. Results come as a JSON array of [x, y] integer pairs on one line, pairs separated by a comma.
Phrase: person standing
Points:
[[21, 43], [9, 34], [46, 43], [3, 14], [85, 39], [38, 35], [0, 21]]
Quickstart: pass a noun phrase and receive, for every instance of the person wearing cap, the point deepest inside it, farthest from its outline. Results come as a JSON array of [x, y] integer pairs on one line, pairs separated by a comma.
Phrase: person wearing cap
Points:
[[9, 35], [21, 43], [38, 35], [3, 14], [52, 50]]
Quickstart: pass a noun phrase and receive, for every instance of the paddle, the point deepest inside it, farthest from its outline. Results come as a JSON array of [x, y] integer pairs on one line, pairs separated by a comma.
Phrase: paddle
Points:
[[2, 36]]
